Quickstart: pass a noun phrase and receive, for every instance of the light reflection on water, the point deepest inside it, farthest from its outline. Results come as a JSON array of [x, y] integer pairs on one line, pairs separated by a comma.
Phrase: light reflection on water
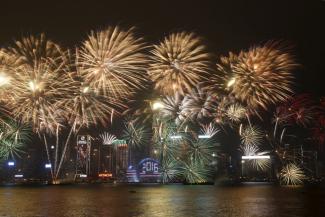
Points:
[[155, 200]]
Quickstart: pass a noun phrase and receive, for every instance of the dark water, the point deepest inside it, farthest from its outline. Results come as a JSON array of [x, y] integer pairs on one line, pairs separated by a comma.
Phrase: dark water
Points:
[[154, 200]]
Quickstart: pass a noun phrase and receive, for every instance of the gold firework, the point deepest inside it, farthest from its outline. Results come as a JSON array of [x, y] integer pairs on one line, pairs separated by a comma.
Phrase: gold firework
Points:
[[258, 77], [38, 81], [291, 174], [251, 135], [235, 112], [85, 106], [33, 50], [112, 61], [35, 93], [179, 63]]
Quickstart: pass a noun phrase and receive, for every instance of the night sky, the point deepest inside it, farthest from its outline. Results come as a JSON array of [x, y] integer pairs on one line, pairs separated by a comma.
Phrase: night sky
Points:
[[226, 25]]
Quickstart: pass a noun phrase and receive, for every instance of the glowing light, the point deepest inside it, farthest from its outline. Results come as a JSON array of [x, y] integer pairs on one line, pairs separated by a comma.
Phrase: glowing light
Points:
[[48, 166], [176, 137], [204, 136], [85, 90], [33, 86], [4, 79], [11, 163], [231, 82], [19, 175], [158, 105], [255, 157], [104, 175]]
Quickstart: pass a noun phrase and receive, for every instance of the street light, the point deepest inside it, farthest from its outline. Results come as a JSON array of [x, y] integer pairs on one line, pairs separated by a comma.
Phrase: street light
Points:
[[48, 166]]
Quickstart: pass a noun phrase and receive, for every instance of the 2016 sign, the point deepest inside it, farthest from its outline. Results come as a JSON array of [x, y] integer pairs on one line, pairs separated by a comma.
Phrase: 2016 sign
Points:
[[148, 167]]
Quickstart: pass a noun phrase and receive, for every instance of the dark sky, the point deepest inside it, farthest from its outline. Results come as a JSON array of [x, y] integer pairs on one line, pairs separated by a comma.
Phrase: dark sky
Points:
[[226, 25]]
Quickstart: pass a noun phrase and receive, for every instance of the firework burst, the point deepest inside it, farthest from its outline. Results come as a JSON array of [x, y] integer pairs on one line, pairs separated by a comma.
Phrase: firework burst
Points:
[[35, 94], [173, 109], [85, 107], [199, 104], [169, 142], [179, 63], [38, 80], [291, 174], [136, 134], [169, 170], [201, 150], [251, 135], [112, 61], [236, 112], [258, 77], [6, 71], [209, 130], [300, 110], [194, 172], [32, 50], [13, 137], [107, 138], [258, 164]]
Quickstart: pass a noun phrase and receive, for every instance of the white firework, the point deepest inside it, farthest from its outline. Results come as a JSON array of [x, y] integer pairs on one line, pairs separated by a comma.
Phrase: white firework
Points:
[[199, 104], [209, 130], [173, 109], [107, 138]]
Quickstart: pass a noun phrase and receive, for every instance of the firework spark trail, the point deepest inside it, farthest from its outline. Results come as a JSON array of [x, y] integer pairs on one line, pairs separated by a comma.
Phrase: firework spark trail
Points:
[[112, 61], [179, 63]]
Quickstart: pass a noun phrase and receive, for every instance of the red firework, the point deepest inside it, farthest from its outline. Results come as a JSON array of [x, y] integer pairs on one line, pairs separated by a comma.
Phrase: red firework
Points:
[[300, 110]]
